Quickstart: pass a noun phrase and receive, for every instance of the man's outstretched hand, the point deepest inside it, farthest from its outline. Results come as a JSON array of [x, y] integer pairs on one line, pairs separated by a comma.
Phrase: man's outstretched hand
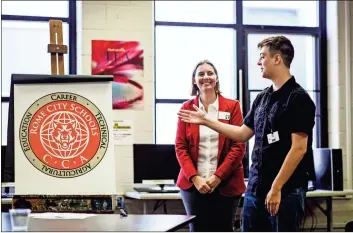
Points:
[[195, 117]]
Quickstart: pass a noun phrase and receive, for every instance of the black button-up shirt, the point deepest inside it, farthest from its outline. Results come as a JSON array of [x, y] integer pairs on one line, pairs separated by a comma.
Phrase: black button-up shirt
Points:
[[286, 111]]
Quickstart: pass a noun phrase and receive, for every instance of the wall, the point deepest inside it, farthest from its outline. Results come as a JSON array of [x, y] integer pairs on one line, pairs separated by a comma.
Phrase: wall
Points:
[[350, 140], [133, 20], [340, 64], [339, 42], [124, 20]]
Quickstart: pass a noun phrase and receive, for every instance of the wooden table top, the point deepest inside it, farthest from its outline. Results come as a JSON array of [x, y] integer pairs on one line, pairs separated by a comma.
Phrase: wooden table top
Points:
[[106, 222]]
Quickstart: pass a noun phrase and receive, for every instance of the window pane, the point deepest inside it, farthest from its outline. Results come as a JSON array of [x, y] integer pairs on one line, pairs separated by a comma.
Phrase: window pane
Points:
[[24, 51], [166, 123], [36, 8], [302, 67], [4, 116], [316, 128], [281, 13], [195, 11], [177, 55], [314, 96], [253, 95]]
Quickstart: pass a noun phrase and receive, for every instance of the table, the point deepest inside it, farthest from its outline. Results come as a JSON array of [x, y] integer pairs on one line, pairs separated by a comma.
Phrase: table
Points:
[[6, 200], [160, 197], [328, 195], [106, 222]]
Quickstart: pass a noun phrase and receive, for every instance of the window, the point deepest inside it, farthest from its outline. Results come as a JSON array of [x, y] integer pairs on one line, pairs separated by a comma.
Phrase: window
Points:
[[16, 37], [195, 11], [36, 8], [5, 114], [25, 28], [177, 55], [303, 64], [284, 13], [167, 122], [187, 32]]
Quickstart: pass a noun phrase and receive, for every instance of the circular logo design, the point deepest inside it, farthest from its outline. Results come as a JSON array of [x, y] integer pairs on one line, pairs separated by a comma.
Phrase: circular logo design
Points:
[[64, 135]]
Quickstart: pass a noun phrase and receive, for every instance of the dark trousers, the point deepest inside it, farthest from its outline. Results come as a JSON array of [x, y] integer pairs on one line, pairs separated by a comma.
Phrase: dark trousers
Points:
[[256, 217], [214, 212]]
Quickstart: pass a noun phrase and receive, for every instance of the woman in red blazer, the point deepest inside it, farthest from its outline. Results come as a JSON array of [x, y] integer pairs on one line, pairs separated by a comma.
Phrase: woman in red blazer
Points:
[[211, 177]]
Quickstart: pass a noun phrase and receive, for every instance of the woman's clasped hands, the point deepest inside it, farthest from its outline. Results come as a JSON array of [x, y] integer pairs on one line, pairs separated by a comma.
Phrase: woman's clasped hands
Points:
[[206, 185]]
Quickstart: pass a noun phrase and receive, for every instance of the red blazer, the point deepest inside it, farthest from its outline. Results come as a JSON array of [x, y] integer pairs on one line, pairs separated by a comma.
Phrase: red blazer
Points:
[[230, 153]]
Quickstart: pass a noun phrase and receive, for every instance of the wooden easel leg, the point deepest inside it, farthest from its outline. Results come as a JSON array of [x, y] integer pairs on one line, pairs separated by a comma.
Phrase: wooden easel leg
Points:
[[61, 63], [53, 64]]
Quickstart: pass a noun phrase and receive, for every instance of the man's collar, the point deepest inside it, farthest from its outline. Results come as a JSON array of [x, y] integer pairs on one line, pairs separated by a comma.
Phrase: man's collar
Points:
[[288, 85]]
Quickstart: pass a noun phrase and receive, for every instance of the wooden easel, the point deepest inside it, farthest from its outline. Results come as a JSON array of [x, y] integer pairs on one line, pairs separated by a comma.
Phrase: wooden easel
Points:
[[56, 47], [62, 203]]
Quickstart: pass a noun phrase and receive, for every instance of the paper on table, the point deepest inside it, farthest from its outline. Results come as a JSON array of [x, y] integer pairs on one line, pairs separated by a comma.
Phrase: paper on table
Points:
[[51, 215]]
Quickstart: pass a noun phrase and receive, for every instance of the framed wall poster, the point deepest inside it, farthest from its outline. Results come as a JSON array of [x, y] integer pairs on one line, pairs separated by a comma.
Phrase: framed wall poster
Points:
[[123, 60]]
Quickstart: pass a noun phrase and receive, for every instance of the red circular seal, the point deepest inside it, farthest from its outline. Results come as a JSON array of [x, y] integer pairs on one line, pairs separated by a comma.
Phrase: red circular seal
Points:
[[64, 135]]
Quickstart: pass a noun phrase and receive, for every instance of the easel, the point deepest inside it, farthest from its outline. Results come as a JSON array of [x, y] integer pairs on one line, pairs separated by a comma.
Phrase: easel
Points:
[[56, 48], [62, 203]]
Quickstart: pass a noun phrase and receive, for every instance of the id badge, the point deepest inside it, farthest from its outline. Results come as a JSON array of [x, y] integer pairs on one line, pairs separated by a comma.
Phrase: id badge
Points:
[[272, 137], [223, 115]]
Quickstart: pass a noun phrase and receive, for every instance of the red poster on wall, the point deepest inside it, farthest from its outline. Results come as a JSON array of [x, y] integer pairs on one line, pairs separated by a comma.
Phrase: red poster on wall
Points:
[[124, 60]]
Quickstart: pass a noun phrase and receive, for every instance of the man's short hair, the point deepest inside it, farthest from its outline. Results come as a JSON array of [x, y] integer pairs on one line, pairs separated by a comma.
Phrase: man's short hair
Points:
[[281, 45]]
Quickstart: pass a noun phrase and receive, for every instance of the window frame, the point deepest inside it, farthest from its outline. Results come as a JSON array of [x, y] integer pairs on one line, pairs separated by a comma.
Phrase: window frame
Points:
[[242, 30], [72, 46]]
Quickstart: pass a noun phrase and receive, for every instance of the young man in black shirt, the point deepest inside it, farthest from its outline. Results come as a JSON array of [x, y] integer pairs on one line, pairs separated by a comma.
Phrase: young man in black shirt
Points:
[[281, 118]]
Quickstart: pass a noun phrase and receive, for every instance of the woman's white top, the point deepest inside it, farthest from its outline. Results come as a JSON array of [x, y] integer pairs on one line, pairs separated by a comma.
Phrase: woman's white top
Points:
[[208, 144]]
